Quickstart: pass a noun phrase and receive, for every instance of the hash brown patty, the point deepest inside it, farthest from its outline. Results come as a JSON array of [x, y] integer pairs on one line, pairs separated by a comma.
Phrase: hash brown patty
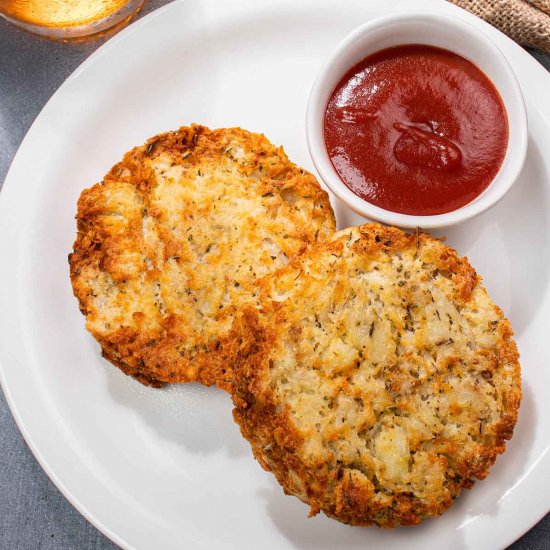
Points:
[[171, 242], [379, 379]]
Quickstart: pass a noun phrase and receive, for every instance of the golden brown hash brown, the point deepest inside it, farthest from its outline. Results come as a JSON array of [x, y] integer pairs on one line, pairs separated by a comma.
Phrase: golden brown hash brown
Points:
[[170, 244], [379, 379]]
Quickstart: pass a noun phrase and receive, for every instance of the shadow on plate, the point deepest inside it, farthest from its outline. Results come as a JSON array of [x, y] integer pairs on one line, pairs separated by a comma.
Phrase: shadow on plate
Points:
[[289, 515], [193, 416]]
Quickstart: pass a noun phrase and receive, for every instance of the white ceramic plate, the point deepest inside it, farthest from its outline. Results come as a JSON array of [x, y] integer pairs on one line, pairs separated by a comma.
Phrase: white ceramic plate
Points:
[[168, 468]]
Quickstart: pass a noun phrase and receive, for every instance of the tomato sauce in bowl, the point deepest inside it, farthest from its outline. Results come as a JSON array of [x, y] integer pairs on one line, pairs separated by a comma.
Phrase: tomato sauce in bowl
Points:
[[416, 129]]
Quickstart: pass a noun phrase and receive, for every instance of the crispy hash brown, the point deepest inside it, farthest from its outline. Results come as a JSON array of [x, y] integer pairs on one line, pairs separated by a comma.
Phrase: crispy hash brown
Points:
[[379, 379], [170, 244]]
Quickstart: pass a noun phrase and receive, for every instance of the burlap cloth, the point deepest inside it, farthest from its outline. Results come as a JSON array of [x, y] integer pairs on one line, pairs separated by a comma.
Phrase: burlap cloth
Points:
[[525, 21]]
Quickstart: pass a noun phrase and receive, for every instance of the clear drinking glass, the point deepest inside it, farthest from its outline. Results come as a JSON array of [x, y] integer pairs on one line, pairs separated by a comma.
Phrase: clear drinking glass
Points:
[[67, 18]]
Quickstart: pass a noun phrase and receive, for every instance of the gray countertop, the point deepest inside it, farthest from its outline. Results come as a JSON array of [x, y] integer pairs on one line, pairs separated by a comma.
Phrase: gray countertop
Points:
[[33, 513]]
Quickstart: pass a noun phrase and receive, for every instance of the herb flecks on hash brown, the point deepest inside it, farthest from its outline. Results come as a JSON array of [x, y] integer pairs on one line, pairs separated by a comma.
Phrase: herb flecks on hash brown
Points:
[[171, 242], [379, 378]]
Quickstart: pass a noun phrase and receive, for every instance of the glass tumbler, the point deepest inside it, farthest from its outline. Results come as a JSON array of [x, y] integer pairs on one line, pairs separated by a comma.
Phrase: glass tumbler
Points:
[[64, 19]]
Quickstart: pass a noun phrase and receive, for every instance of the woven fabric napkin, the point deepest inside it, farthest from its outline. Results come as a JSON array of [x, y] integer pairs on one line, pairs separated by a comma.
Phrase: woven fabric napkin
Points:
[[525, 21]]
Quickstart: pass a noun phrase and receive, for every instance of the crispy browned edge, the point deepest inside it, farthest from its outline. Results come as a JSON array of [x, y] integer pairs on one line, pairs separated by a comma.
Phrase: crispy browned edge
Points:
[[125, 348], [276, 441]]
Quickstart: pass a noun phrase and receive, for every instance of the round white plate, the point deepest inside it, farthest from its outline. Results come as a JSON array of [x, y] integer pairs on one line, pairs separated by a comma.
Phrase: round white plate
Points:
[[168, 468]]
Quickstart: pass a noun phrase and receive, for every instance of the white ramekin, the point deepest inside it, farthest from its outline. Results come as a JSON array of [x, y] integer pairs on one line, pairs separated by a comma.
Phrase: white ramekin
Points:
[[434, 30]]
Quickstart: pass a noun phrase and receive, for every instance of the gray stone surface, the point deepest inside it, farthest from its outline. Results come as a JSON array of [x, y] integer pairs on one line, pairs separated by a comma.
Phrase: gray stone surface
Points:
[[33, 513]]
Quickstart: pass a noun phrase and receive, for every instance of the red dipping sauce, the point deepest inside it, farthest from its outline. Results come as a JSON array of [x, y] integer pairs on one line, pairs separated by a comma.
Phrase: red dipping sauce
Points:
[[416, 129]]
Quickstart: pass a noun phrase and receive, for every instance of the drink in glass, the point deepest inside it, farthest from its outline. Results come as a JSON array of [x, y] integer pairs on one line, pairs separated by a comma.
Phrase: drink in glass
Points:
[[67, 18]]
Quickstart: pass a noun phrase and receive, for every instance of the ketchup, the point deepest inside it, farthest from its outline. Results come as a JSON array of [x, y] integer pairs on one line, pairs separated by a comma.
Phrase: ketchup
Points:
[[416, 129]]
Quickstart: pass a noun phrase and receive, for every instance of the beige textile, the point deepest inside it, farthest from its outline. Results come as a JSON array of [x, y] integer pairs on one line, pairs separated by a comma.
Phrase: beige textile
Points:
[[525, 21]]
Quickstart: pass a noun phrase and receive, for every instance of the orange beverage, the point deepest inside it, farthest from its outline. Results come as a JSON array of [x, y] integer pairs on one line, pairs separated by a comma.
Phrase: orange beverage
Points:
[[67, 18]]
